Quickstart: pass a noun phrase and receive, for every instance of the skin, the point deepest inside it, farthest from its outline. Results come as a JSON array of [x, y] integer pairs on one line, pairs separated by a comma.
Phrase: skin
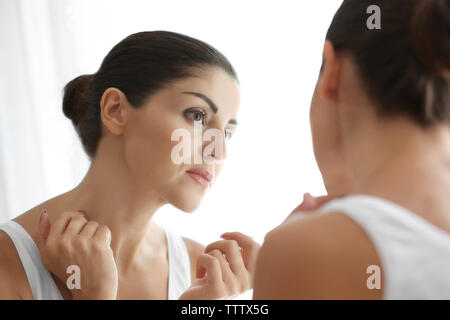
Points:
[[326, 256], [131, 177]]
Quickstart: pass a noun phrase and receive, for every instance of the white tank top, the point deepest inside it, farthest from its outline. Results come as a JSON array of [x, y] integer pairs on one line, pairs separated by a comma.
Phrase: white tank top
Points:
[[415, 254], [43, 286]]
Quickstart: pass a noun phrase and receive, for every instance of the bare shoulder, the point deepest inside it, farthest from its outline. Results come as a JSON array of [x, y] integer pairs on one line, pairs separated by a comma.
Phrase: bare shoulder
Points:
[[322, 256], [194, 249], [13, 280]]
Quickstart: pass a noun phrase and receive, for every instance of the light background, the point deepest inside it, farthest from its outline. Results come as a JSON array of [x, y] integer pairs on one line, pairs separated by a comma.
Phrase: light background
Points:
[[275, 46]]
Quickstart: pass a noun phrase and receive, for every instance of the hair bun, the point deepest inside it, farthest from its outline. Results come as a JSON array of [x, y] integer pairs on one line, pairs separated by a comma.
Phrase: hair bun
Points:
[[431, 34], [74, 97]]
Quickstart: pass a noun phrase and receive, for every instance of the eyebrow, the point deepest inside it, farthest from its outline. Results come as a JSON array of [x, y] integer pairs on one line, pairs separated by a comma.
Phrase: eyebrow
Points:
[[210, 103]]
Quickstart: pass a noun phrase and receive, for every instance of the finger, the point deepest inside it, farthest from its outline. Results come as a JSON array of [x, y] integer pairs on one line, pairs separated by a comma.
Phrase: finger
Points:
[[317, 202], [311, 204], [308, 203], [209, 265], [75, 225], [249, 246], [320, 201], [103, 234], [89, 229], [59, 225], [228, 277], [43, 230], [232, 253], [62, 221]]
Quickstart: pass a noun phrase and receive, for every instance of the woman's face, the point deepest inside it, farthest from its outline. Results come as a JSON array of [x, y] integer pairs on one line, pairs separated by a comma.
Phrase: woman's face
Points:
[[161, 149]]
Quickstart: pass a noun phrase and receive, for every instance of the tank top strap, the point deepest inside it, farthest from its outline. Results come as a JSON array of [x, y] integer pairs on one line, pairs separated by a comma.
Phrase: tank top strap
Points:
[[179, 265], [41, 282], [414, 253], [385, 216]]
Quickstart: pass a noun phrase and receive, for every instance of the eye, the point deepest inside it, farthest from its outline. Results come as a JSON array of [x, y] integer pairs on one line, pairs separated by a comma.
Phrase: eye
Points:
[[197, 115], [228, 134]]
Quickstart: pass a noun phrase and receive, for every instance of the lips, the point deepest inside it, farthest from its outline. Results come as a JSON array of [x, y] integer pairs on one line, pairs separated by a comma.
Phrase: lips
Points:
[[202, 176]]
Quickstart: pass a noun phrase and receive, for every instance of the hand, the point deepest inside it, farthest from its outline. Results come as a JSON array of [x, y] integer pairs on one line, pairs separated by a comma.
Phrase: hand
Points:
[[226, 268], [72, 240], [311, 204]]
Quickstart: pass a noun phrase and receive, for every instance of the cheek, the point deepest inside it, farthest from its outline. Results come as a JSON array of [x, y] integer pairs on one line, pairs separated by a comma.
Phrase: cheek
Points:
[[217, 170], [325, 130], [313, 116], [148, 149]]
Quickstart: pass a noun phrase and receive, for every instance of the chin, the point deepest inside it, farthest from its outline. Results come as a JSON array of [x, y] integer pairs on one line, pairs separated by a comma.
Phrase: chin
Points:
[[185, 195], [187, 204], [189, 208]]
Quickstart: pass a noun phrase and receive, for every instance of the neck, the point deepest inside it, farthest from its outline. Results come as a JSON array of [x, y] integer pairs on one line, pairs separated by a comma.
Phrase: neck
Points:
[[110, 196], [387, 154]]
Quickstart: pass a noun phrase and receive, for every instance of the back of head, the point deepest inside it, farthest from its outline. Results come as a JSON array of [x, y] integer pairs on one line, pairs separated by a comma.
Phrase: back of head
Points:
[[404, 66]]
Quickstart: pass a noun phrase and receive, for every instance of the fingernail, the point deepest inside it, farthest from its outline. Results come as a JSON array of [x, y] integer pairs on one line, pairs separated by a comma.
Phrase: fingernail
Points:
[[42, 215], [305, 197], [81, 211]]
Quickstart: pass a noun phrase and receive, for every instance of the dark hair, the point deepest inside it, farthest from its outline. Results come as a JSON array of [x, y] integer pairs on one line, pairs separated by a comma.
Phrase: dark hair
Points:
[[404, 66], [139, 65]]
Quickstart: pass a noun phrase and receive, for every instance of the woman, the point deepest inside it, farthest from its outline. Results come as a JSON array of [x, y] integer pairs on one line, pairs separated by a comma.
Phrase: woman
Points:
[[101, 233], [380, 117]]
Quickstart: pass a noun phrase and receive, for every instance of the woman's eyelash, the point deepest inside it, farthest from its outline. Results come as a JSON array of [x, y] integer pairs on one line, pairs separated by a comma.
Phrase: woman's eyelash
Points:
[[194, 114], [228, 134], [200, 115]]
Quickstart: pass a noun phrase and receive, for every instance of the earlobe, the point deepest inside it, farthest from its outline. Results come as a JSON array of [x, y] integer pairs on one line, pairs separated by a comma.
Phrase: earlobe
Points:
[[112, 110], [329, 82]]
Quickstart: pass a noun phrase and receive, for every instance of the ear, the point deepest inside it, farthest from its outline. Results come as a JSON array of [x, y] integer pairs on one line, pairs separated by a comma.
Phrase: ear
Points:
[[113, 111], [331, 71]]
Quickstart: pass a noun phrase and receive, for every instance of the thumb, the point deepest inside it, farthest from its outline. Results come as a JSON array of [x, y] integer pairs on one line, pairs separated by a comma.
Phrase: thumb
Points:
[[43, 230]]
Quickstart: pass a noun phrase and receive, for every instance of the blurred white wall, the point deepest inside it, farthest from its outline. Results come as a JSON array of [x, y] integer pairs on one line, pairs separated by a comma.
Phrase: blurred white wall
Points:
[[275, 46]]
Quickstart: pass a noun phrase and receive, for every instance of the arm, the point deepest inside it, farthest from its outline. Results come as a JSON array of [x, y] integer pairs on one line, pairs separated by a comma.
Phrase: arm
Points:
[[13, 280], [323, 257]]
